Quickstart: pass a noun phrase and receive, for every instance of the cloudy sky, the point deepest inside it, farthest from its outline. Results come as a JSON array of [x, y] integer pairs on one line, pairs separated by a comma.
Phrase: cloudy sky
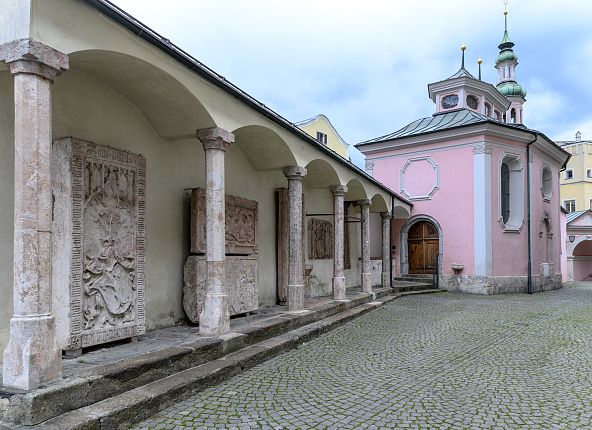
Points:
[[366, 63]]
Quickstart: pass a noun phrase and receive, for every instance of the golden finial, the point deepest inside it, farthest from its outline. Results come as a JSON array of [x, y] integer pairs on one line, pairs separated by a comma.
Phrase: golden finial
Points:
[[505, 7], [463, 47], [479, 61]]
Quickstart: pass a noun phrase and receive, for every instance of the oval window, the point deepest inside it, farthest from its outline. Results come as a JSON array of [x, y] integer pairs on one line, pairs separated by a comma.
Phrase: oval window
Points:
[[472, 101], [449, 101]]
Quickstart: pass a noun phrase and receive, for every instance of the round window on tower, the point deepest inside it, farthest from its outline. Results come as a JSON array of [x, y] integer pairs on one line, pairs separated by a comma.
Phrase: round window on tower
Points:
[[449, 101], [473, 101]]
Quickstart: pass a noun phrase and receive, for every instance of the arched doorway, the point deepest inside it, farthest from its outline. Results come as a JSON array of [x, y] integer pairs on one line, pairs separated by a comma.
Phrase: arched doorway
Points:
[[423, 247]]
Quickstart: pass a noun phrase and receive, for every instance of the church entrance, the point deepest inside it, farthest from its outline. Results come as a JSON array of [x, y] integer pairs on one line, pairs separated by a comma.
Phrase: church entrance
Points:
[[423, 248]]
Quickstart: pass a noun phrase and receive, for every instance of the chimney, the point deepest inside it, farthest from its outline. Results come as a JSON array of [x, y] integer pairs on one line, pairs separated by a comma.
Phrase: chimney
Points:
[[579, 136]]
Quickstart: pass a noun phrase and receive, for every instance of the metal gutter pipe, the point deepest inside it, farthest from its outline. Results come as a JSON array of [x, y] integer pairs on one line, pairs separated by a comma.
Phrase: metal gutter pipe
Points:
[[529, 234], [391, 242]]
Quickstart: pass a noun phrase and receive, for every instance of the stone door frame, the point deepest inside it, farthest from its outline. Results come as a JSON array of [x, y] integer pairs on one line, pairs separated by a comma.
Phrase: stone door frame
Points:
[[404, 241]]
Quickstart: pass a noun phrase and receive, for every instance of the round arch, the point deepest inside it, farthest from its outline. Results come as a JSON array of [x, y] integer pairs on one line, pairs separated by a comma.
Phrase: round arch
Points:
[[379, 204], [170, 107], [320, 174], [264, 148], [405, 241], [355, 190], [579, 259]]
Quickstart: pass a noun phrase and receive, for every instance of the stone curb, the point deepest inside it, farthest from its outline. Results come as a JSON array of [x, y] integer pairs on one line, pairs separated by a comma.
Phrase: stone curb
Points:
[[142, 402]]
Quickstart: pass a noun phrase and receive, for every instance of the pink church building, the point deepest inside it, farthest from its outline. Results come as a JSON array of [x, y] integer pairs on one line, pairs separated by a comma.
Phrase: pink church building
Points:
[[480, 181]]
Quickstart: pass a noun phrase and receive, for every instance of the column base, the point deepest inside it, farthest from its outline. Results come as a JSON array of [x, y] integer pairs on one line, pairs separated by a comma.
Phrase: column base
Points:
[[366, 282], [339, 288], [386, 279], [295, 297], [214, 319], [31, 358]]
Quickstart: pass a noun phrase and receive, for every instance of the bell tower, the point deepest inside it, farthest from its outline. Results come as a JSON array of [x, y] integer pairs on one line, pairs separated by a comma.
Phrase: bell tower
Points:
[[506, 76]]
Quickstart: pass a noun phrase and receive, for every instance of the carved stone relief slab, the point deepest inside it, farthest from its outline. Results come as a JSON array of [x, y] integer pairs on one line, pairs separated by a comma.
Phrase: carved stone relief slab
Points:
[[98, 243], [241, 224], [320, 239], [240, 280]]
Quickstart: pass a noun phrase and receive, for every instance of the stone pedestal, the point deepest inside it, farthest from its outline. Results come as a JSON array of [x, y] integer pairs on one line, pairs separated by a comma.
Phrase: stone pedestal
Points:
[[365, 233], [32, 357], [214, 318], [295, 174], [240, 273], [98, 248], [386, 249], [338, 192]]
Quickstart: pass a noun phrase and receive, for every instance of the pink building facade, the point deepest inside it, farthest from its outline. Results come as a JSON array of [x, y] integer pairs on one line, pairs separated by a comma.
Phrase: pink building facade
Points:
[[468, 170]]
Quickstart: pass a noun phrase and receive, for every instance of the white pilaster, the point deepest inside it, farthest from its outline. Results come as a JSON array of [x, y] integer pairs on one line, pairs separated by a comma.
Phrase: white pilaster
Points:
[[482, 216]]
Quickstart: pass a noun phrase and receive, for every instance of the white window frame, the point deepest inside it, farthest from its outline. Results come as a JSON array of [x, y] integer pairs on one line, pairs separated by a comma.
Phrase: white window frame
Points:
[[546, 186], [322, 137], [589, 173], [567, 171], [565, 205], [517, 196]]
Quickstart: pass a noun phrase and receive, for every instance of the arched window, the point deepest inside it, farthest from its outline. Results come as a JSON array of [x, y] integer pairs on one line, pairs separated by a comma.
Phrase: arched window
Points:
[[498, 115], [505, 172], [511, 192], [547, 183], [513, 116], [487, 109]]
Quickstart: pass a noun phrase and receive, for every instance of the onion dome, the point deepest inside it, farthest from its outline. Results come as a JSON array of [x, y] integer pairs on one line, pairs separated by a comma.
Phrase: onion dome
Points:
[[510, 88]]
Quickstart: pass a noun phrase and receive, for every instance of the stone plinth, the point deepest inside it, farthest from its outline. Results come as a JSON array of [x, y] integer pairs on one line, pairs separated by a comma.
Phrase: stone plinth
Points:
[[240, 274], [98, 244]]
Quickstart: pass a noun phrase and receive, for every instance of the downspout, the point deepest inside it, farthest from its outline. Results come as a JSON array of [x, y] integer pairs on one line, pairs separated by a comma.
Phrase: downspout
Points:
[[391, 242], [529, 289]]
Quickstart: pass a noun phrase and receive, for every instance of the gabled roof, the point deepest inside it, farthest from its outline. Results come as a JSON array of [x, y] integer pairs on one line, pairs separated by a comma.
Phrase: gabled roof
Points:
[[575, 215], [321, 116]]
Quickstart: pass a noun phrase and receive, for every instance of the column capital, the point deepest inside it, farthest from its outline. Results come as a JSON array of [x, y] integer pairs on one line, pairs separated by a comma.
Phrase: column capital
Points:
[[365, 202], [338, 190], [295, 172], [31, 57], [385, 215], [215, 138]]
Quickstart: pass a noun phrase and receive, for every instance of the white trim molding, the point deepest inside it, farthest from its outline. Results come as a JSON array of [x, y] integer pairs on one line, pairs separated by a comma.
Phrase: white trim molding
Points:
[[435, 186], [517, 197]]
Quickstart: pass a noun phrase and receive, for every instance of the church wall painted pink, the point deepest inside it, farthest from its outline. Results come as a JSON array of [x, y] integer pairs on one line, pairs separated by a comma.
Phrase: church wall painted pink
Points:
[[453, 196]]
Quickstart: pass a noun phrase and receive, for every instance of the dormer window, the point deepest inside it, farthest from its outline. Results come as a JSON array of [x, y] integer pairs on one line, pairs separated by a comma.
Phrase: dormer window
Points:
[[449, 101], [473, 101], [487, 109]]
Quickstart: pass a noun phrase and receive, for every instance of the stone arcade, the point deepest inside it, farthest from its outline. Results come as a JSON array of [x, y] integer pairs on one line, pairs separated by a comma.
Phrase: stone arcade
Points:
[[102, 243]]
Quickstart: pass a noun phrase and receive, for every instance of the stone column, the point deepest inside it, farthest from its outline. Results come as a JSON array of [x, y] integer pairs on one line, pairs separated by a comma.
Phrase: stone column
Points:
[[214, 318], [365, 227], [386, 249], [31, 357], [295, 174], [338, 241]]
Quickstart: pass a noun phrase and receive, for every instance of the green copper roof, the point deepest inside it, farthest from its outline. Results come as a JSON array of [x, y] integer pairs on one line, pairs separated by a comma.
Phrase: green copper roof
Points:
[[506, 55], [511, 88]]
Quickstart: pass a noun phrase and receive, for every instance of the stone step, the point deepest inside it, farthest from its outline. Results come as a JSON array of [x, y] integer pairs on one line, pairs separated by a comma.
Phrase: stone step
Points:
[[402, 286], [79, 389], [121, 409]]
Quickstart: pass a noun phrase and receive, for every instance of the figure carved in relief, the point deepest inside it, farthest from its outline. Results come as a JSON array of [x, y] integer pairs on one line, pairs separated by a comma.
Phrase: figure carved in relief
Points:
[[109, 278]]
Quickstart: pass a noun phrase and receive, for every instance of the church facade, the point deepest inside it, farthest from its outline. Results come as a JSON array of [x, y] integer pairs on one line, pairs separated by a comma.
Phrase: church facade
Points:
[[484, 187]]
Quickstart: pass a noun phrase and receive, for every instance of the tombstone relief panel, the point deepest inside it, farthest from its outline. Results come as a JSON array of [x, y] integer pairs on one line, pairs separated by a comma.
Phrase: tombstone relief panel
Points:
[[320, 239], [241, 260], [103, 239], [241, 224]]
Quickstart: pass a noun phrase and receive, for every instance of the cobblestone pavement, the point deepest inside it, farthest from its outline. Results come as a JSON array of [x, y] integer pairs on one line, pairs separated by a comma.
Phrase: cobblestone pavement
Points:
[[441, 361]]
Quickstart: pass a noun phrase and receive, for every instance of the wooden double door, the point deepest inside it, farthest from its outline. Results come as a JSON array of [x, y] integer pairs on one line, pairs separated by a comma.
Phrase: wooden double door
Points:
[[422, 243]]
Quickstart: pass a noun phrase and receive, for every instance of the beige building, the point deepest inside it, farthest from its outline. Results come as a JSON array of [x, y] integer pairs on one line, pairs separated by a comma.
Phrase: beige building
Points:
[[142, 190], [576, 180], [321, 129]]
